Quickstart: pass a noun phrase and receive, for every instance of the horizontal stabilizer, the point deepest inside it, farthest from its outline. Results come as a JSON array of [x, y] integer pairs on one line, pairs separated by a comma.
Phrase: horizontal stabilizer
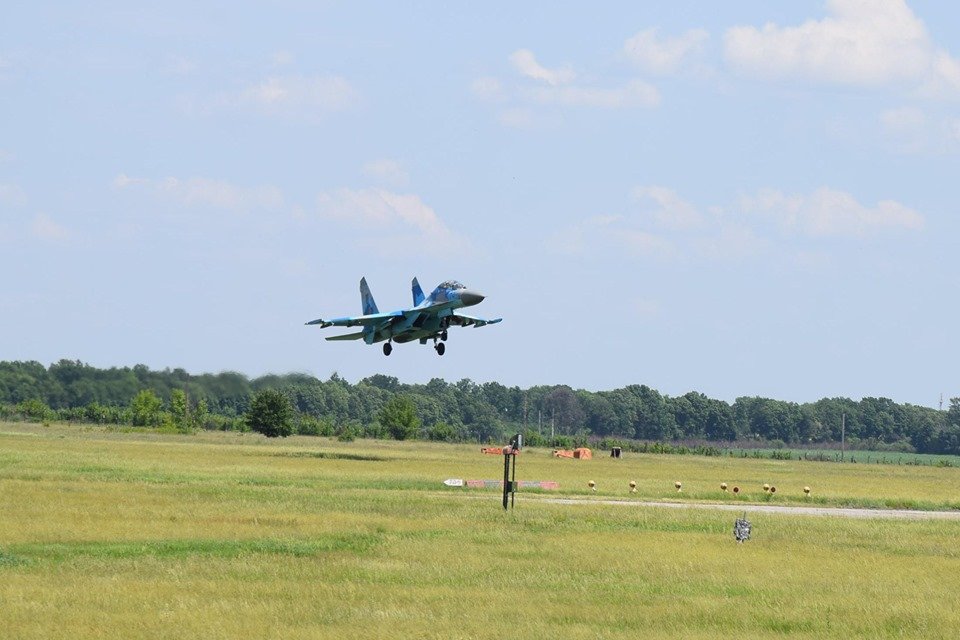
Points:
[[349, 336]]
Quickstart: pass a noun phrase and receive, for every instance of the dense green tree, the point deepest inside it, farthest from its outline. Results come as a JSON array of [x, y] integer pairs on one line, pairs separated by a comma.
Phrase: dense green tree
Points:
[[179, 410], [34, 409], [441, 431], [399, 418], [270, 413], [953, 413], [73, 391], [653, 419], [145, 409], [563, 407]]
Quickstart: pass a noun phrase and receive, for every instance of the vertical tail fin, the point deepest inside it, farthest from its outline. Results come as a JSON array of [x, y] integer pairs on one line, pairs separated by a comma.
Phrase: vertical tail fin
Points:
[[417, 292], [366, 298]]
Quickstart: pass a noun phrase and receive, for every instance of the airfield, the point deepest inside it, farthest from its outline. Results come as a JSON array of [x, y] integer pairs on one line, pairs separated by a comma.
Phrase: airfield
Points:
[[138, 534]]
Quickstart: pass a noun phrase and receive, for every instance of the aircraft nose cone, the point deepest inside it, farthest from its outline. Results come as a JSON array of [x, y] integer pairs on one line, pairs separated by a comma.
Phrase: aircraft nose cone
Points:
[[470, 298]]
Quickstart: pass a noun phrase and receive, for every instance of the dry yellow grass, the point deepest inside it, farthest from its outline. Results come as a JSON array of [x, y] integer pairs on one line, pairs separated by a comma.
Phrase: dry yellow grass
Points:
[[232, 536]]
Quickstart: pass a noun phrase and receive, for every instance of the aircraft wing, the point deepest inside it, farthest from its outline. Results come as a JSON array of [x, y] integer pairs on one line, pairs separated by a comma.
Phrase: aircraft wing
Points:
[[357, 321], [468, 321]]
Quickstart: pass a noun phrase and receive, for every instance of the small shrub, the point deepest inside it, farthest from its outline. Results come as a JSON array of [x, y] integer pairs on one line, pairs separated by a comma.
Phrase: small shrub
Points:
[[349, 431], [442, 432], [309, 425]]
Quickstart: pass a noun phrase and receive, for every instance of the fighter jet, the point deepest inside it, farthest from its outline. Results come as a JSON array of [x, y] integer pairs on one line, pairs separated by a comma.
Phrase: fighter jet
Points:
[[428, 319]]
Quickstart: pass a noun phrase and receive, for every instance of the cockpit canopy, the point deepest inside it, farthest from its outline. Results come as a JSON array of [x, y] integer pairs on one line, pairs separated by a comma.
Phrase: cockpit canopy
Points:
[[451, 284]]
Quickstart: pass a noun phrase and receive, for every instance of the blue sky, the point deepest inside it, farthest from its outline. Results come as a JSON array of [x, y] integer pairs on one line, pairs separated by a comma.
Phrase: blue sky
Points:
[[746, 198]]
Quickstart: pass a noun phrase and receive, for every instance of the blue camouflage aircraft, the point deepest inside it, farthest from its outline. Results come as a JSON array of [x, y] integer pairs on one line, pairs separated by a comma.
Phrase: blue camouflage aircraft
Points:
[[428, 319]]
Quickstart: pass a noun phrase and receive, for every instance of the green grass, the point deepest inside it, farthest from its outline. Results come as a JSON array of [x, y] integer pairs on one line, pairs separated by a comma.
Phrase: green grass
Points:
[[145, 535], [855, 455]]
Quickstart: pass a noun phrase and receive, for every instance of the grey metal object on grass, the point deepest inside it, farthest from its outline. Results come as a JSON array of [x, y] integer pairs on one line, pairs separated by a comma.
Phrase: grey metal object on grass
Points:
[[741, 528]]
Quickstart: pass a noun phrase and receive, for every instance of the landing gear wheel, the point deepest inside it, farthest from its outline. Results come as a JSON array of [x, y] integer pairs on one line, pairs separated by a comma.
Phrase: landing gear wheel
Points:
[[387, 348], [441, 348], [443, 336]]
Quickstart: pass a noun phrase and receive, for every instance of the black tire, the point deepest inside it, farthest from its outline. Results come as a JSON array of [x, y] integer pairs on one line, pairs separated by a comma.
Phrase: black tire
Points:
[[441, 348], [387, 348]]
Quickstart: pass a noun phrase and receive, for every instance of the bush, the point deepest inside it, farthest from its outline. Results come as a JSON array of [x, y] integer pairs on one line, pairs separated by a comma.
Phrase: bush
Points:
[[374, 430], [534, 439], [145, 409], [34, 410], [399, 416], [349, 431], [312, 426], [442, 432], [271, 414]]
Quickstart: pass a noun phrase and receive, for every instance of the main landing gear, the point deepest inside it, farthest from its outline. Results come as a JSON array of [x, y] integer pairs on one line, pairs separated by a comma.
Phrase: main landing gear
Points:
[[440, 347], [387, 348]]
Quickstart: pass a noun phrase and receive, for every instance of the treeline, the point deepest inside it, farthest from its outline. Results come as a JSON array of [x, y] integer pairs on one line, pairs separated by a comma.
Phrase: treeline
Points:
[[464, 410]]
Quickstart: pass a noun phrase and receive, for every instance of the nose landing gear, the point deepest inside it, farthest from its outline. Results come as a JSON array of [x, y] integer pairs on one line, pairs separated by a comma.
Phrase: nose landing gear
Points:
[[387, 348], [441, 348]]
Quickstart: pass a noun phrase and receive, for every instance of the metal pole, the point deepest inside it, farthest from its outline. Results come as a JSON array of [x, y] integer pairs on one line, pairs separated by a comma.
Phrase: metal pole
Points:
[[506, 475], [513, 480], [843, 435]]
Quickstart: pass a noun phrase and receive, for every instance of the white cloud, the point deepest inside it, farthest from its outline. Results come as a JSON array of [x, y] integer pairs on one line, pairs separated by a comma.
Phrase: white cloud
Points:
[[643, 243], [636, 93], [391, 221], [767, 223], [46, 229], [607, 232], [860, 42], [906, 127], [488, 88], [122, 181], [294, 93], [953, 130], [12, 195], [913, 130], [518, 117], [283, 96], [537, 99], [178, 66], [388, 171], [903, 119], [829, 212], [524, 61], [282, 58], [664, 55], [206, 192], [669, 210], [729, 240], [527, 118], [578, 238], [6, 156]]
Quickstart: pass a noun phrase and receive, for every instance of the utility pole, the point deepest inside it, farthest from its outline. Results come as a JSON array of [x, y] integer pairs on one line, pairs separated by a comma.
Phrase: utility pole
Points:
[[843, 435]]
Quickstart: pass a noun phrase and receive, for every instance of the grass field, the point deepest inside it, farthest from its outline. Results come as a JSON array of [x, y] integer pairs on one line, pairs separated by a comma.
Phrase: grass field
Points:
[[140, 535]]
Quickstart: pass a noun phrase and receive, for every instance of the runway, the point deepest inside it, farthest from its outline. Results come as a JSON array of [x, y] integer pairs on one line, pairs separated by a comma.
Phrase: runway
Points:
[[837, 512]]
